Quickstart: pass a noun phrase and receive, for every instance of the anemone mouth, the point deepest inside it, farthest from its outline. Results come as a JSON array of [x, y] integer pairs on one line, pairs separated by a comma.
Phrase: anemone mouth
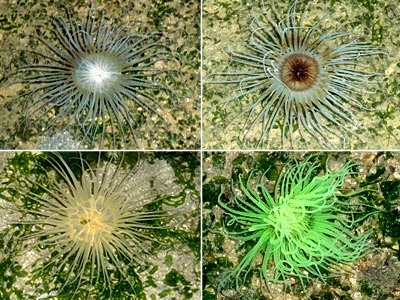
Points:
[[299, 72], [99, 73]]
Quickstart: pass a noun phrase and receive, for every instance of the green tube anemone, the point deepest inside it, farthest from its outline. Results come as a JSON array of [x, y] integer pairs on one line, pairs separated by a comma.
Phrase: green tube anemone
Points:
[[302, 228]]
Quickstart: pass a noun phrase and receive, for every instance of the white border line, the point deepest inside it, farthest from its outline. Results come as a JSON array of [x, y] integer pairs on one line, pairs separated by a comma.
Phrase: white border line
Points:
[[201, 149], [301, 150], [201, 75], [201, 224], [98, 150]]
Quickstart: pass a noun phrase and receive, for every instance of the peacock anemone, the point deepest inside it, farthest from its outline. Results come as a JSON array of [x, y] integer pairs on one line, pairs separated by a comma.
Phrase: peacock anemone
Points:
[[92, 227], [92, 74], [302, 230], [293, 77]]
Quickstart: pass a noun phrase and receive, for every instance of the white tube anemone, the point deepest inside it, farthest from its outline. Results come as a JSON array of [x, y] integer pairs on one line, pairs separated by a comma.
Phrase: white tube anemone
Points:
[[301, 79], [91, 73]]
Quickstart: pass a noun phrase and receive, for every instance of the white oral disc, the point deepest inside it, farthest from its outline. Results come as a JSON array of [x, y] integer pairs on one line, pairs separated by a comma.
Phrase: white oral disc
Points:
[[97, 74]]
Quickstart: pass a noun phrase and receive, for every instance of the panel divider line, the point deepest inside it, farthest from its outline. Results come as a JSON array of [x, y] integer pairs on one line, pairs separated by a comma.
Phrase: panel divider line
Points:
[[201, 149]]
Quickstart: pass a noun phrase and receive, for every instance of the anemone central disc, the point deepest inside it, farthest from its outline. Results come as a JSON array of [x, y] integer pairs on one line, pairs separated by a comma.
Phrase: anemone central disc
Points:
[[97, 73], [285, 219], [92, 222], [299, 71]]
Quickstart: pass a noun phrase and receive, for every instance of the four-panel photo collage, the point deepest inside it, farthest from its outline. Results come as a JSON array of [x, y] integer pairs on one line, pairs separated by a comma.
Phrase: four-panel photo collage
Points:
[[213, 149]]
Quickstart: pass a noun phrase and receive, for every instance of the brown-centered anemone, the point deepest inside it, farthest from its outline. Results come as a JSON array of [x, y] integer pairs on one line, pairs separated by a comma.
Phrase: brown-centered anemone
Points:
[[307, 82]]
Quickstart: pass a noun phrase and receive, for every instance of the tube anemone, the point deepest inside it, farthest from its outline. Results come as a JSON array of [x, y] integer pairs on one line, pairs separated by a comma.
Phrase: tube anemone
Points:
[[307, 83], [91, 74], [94, 225], [302, 228]]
